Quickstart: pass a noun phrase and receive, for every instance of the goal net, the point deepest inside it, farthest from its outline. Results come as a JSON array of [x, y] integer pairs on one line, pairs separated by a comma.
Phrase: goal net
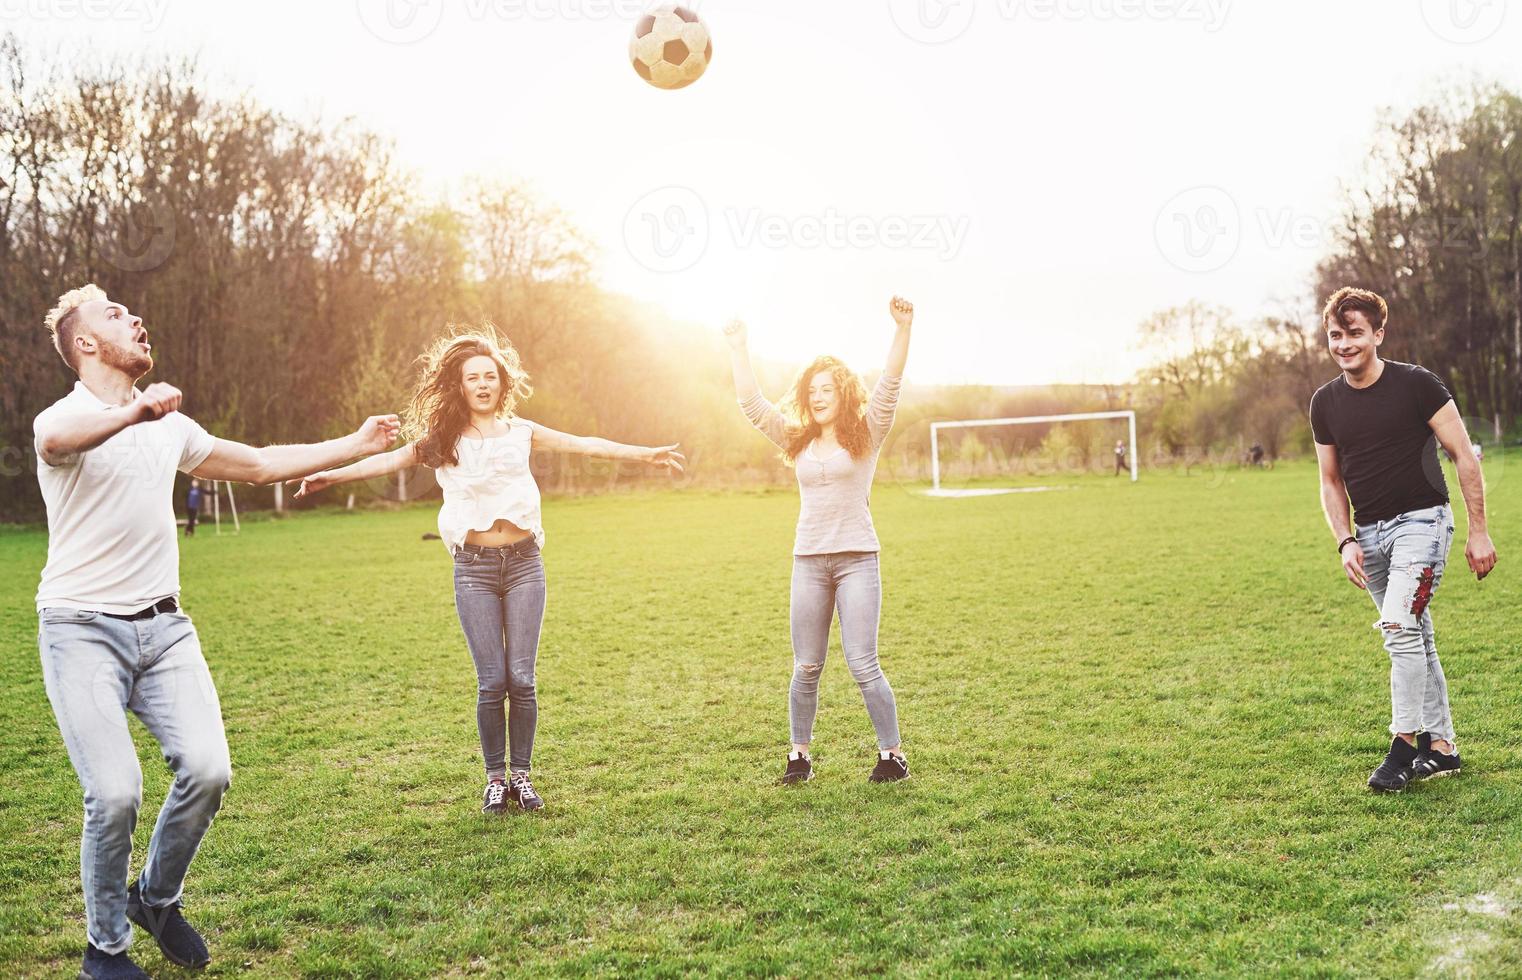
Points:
[[991, 445]]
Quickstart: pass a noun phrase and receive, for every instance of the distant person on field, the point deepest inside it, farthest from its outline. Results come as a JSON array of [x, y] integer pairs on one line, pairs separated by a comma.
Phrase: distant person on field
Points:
[[1376, 428], [1120, 457], [1479, 452], [112, 635], [1255, 454], [830, 431], [192, 507], [463, 422]]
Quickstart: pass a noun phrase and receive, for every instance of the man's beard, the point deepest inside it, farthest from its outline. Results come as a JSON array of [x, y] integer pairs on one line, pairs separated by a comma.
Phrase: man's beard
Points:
[[130, 361]]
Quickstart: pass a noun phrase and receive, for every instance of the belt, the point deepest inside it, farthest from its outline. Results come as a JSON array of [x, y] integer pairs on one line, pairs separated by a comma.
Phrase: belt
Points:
[[162, 606]]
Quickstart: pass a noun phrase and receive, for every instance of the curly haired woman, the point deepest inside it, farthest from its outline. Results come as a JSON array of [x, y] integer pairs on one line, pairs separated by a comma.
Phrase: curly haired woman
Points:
[[463, 424]]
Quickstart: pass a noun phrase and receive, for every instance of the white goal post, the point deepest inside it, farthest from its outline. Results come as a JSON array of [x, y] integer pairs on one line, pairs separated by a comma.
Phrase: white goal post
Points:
[[936, 427]]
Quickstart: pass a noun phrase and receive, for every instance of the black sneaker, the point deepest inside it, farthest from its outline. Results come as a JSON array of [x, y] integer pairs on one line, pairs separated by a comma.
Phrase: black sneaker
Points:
[[1430, 764], [890, 768], [495, 800], [521, 792], [800, 769], [177, 939], [109, 966], [1395, 772]]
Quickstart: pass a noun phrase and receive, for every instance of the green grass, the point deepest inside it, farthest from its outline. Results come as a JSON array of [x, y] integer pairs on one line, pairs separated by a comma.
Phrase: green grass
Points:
[[1140, 719]]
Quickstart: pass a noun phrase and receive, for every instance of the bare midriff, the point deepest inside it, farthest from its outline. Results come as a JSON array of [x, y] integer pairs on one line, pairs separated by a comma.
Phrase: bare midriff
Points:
[[499, 535]]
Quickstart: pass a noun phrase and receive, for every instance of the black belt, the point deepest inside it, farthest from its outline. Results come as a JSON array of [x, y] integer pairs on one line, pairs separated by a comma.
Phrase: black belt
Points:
[[162, 606]]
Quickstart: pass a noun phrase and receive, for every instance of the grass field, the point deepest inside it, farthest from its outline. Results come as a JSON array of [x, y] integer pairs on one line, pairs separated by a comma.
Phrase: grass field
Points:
[[1140, 718]]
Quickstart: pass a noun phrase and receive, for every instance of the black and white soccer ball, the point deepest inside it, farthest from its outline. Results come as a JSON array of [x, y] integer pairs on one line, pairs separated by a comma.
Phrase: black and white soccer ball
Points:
[[671, 47]]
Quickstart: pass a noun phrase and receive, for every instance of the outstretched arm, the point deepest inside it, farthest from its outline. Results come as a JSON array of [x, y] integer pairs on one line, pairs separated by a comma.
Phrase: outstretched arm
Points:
[[1454, 437], [563, 442], [272, 464], [898, 354], [369, 468]]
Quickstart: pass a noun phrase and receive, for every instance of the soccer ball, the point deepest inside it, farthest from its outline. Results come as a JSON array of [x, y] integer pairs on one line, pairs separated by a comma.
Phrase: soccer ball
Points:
[[670, 47]]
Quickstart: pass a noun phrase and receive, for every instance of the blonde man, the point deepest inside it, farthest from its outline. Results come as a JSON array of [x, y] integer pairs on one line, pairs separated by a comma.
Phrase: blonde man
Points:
[[111, 633]]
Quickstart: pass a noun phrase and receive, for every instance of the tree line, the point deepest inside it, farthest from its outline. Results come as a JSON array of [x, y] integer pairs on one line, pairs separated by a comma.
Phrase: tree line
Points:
[[290, 271]]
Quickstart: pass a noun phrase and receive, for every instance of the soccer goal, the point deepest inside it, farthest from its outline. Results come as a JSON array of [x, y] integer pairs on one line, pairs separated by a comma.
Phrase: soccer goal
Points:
[[936, 490]]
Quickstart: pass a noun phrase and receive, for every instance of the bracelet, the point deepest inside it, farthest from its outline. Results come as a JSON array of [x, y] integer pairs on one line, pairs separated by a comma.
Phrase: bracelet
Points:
[[1345, 542]]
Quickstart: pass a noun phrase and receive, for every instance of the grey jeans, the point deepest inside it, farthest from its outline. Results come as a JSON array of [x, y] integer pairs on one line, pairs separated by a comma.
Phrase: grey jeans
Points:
[[846, 582], [1404, 558], [96, 668], [500, 595]]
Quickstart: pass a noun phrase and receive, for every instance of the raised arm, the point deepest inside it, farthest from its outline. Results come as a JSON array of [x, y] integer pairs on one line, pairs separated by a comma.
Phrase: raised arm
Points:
[[761, 413], [898, 354], [1453, 435], [1334, 503], [739, 361], [272, 464], [666, 457], [63, 437], [369, 468]]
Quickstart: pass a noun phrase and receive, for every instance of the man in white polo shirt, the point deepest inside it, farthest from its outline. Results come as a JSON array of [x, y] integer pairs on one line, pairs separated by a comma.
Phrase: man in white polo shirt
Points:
[[111, 632]]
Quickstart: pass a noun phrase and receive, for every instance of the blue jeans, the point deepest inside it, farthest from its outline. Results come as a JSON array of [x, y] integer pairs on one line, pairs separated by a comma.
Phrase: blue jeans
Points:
[[499, 594], [846, 582], [96, 668], [1404, 558]]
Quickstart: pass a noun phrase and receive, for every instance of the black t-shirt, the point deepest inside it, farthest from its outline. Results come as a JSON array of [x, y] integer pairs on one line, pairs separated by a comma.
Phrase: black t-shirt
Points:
[[1385, 448]]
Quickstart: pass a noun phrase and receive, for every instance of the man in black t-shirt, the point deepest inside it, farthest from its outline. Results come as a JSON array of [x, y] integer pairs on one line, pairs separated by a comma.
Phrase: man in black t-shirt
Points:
[[1377, 427]]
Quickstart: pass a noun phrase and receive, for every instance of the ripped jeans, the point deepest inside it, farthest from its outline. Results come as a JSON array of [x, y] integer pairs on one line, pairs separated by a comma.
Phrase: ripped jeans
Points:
[[1404, 558], [848, 583]]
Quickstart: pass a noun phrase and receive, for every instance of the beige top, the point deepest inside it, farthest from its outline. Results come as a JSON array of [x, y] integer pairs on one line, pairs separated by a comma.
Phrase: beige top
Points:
[[833, 490]]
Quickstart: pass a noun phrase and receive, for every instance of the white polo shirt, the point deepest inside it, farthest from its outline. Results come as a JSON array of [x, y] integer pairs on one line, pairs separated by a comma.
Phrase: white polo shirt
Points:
[[111, 532]]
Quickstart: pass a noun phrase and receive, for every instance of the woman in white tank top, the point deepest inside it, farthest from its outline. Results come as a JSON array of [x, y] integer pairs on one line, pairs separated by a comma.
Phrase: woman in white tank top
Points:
[[830, 431], [462, 423]]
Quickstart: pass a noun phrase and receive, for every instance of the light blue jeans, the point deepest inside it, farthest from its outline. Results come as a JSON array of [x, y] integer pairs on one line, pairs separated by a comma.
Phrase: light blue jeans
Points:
[[96, 668], [846, 582], [1403, 559]]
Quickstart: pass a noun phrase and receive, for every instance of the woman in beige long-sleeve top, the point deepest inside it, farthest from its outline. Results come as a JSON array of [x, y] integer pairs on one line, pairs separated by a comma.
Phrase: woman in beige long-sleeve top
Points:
[[831, 432]]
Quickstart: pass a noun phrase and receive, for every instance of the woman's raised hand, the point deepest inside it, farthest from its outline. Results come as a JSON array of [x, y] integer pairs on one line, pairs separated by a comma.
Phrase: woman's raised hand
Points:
[[734, 332], [902, 310], [313, 484]]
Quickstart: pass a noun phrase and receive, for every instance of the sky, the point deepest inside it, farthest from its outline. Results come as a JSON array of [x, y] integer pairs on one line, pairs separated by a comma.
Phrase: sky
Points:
[[1037, 176]]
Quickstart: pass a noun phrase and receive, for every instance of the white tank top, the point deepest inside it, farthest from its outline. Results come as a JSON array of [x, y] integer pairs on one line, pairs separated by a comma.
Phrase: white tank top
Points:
[[492, 482]]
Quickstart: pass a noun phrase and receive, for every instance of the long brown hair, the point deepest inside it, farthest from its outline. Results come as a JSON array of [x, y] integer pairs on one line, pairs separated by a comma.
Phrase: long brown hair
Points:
[[439, 413], [850, 415]]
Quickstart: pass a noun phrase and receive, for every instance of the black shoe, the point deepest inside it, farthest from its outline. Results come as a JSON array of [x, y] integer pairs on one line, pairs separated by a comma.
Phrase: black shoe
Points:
[[521, 792], [800, 769], [1395, 772], [889, 769], [1430, 764], [177, 939], [108, 966], [495, 800]]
